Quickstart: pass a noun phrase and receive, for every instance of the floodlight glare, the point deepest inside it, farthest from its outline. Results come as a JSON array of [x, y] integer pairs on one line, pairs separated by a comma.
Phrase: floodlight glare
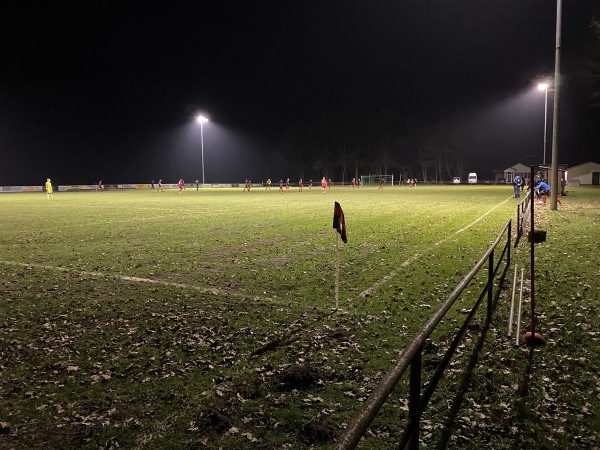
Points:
[[202, 120], [544, 87]]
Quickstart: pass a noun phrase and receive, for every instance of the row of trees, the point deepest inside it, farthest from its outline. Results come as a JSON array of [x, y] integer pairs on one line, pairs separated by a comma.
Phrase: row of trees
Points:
[[344, 146]]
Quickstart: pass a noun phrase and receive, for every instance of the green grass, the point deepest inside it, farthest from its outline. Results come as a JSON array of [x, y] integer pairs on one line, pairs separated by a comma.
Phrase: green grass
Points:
[[225, 336]]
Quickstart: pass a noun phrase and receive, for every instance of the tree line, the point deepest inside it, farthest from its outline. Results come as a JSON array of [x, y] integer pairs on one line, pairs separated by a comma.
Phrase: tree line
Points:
[[343, 146]]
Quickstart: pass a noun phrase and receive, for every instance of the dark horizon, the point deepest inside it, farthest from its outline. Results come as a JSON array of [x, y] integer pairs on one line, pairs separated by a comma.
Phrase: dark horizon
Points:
[[109, 92]]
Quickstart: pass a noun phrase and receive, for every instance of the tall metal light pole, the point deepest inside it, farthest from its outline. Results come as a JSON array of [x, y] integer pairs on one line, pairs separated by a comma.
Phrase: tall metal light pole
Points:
[[544, 87], [202, 120], [554, 183]]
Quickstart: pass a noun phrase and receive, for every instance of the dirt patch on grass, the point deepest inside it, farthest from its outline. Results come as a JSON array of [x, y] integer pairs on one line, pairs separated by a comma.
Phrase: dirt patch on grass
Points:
[[279, 261], [297, 377], [219, 422], [319, 430]]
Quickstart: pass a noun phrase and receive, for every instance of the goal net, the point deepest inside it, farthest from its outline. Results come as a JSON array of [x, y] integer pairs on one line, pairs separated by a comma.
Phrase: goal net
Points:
[[375, 180]]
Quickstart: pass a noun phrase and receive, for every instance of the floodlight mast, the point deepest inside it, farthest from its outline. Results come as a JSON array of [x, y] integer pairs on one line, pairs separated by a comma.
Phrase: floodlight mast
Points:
[[554, 179], [202, 120]]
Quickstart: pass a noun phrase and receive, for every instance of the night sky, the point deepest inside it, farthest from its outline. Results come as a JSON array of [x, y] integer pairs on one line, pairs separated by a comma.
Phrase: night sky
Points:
[[109, 90]]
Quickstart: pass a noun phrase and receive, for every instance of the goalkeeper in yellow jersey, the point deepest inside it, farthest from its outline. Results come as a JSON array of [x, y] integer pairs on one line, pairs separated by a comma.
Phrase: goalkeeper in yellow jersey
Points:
[[49, 189]]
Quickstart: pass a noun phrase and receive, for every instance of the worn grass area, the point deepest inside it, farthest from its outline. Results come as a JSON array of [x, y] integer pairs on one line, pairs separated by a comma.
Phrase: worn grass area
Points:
[[204, 319]]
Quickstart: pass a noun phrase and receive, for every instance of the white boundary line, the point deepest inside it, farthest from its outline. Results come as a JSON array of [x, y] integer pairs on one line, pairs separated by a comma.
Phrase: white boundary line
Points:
[[416, 256], [213, 291]]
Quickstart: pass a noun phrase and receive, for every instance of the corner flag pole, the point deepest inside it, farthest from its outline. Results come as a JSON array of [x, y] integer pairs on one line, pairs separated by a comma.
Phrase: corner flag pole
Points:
[[339, 224], [337, 271]]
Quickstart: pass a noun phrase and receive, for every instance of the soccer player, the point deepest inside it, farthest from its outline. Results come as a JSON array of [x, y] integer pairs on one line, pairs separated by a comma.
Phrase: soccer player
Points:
[[180, 184], [269, 184], [381, 182], [323, 185], [353, 182], [310, 184], [160, 185], [300, 185], [197, 184], [152, 185], [100, 187], [280, 185], [49, 189], [287, 185]]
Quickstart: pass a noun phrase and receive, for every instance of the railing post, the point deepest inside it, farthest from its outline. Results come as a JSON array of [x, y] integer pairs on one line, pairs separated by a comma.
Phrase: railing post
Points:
[[490, 285], [518, 220], [509, 242], [414, 400]]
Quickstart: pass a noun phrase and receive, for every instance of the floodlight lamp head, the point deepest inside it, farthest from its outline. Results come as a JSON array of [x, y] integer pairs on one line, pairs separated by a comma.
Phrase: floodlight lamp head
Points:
[[543, 86], [201, 119]]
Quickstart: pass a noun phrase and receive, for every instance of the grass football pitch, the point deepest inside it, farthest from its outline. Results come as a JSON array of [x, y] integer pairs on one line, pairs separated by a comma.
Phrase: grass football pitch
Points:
[[204, 319]]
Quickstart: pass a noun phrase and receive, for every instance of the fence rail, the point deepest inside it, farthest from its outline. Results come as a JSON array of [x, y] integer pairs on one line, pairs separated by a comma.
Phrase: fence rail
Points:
[[522, 216], [412, 355]]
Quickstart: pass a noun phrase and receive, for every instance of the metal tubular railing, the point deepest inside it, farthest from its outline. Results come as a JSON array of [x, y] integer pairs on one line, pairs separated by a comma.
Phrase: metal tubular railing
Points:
[[522, 214], [412, 356]]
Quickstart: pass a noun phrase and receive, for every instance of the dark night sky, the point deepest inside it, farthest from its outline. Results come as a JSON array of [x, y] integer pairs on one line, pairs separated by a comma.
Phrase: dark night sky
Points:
[[107, 90]]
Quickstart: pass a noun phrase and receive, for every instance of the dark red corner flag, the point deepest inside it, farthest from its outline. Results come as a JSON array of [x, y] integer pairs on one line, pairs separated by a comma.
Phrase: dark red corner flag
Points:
[[338, 221]]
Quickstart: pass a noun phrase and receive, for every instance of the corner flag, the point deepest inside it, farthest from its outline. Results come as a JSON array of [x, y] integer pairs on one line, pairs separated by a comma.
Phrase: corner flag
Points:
[[338, 221]]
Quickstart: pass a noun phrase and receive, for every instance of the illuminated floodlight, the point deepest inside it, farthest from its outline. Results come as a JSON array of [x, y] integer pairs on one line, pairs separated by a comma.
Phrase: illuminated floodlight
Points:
[[544, 87], [202, 120]]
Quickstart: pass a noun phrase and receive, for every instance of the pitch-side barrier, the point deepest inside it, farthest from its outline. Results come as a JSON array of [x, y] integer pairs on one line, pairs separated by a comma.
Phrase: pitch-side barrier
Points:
[[412, 354], [522, 216]]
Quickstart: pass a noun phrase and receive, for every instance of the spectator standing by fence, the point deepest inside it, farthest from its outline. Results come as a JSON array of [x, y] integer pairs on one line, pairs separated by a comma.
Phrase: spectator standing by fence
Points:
[[517, 181]]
